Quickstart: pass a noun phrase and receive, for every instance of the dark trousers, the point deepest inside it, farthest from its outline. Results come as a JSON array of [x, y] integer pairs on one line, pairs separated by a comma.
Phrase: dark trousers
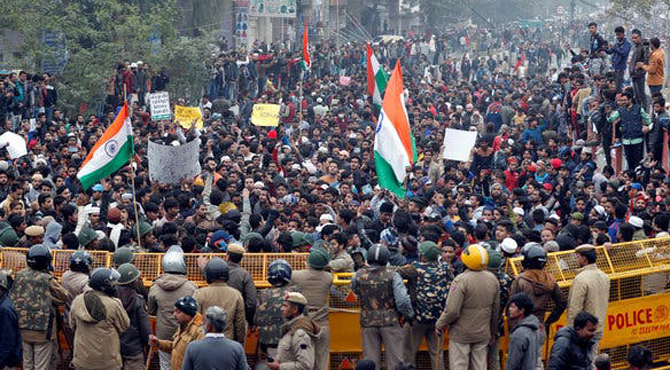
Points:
[[618, 79], [607, 144], [633, 154], [638, 90], [655, 89]]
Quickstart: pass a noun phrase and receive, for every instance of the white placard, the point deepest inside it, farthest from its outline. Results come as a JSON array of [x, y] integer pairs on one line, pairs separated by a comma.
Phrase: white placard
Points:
[[15, 144], [170, 164], [159, 103], [458, 144]]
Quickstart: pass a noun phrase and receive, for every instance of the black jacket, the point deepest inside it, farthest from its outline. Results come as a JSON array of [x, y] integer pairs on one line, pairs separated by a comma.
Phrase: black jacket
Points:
[[640, 54], [10, 335], [136, 337], [569, 352]]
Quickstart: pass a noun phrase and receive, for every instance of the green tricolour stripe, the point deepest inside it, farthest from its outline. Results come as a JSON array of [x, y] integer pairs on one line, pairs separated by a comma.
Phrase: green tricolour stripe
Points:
[[121, 158], [386, 176]]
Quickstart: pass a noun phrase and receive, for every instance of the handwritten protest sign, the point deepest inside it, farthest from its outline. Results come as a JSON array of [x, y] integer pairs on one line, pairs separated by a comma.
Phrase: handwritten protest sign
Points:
[[458, 144], [186, 115], [265, 115], [159, 104], [170, 164]]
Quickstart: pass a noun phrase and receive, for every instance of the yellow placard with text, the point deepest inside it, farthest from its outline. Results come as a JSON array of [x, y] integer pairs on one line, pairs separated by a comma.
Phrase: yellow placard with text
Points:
[[265, 115], [186, 115]]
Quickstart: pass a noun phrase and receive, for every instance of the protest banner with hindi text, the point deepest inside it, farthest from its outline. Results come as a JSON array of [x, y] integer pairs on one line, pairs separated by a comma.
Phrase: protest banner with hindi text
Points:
[[265, 115]]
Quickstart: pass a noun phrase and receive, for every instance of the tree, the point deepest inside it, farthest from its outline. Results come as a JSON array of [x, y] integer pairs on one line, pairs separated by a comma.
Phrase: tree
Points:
[[99, 34]]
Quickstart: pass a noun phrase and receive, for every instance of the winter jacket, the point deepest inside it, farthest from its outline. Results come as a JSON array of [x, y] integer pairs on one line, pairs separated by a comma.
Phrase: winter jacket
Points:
[[163, 294], [569, 352], [10, 335], [640, 54], [180, 341], [97, 320], [655, 68], [524, 340], [590, 292], [296, 349], [228, 298], [136, 337], [74, 282], [472, 308], [543, 289], [620, 52]]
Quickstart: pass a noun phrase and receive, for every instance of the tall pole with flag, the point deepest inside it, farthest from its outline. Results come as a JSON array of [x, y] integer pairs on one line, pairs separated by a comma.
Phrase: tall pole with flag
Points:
[[394, 146], [377, 78], [306, 59], [111, 152]]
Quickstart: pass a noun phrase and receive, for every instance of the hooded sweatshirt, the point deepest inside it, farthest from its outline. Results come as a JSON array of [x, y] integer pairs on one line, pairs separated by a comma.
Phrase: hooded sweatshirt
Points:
[[97, 320], [163, 294], [52, 235], [523, 345]]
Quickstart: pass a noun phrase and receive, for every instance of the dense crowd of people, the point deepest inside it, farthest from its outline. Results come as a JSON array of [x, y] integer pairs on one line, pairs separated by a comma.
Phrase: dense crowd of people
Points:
[[540, 179]]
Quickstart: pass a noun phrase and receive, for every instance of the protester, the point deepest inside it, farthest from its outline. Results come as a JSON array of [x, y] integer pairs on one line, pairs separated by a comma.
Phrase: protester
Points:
[[550, 111], [215, 351], [572, 348], [524, 346]]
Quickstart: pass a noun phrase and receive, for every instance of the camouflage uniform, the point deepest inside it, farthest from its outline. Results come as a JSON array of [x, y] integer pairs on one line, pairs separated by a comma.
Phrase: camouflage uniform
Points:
[[35, 294], [269, 319], [378, 289], [429, 287]]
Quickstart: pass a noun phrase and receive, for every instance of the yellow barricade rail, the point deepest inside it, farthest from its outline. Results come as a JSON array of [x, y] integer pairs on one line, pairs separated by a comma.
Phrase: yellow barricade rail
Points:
[[639, 309]]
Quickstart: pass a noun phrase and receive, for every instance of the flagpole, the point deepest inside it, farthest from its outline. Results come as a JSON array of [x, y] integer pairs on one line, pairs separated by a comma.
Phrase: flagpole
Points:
[[132, 177]]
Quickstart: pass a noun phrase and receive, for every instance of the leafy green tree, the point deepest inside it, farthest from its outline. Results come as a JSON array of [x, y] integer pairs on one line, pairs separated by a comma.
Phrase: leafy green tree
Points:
[[99, 34]]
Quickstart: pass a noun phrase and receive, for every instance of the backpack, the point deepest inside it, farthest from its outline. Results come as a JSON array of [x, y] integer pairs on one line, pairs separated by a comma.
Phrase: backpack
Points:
[[432, 287]]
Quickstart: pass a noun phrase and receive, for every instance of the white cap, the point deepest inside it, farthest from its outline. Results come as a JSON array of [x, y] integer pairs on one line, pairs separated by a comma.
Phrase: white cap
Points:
[[225, 158], [133, 65], [326, 217], [259, 184], [519, 211], [636, 221], [509, 245], [127, 196], [90, 209]]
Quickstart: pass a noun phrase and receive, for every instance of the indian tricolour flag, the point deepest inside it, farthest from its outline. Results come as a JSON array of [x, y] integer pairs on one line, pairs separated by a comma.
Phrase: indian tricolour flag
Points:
[[377, 78], [306, 59], [394, 145], [110, 153]]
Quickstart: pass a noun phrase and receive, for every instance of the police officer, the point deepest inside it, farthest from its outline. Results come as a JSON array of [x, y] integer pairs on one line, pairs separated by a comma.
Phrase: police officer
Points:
[[218, 293], [296, 346], [10, 336], [384, 300], [315, 283], [590, 292], [428, 280], [164, 292], [268, 317], [241, 279], [76, 278], [36, 294], [136, 338], [496, 262], [98, 319], [542, 288], [471, 313], [123, 255]]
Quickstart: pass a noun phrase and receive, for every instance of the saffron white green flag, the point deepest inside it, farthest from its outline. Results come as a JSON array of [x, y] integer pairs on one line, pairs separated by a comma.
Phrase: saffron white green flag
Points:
[[377, 78], [394, 145], [110, 153]]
